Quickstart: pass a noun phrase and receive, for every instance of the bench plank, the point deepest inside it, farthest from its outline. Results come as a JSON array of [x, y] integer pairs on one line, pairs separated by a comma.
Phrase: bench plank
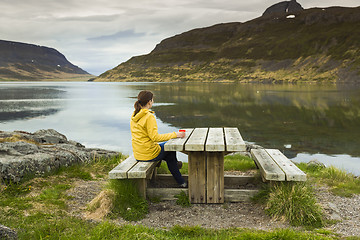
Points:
[[234, 141], [215, 140], [270, 171], [196, 142], [121, 170], [292, 172], [142, 170], [177, 144]]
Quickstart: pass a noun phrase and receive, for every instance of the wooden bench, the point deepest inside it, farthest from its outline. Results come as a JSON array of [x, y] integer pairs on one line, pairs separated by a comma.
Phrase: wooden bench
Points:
[[140, 172], [275, 166]]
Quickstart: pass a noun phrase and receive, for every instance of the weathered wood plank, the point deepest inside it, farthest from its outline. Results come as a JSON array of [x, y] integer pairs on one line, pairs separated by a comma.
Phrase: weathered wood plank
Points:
[[236, 180], [239, 195], [215, 177], [231, 195], [121, 170], [177, 144], [141, 185], [269, 170], [197, 177], [142, 170], [234, 141], [229, 180], [166, 194], [196, 142], [215, 140], [292, 172]]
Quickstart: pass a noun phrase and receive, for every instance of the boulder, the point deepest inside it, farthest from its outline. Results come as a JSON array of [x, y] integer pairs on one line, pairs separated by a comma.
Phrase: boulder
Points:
[[23, 154], [286, 7], [7, 233], [315, 164]]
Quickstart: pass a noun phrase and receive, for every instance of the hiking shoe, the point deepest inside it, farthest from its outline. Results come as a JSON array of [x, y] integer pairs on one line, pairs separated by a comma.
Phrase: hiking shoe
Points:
[[179, 164], [184, 185]]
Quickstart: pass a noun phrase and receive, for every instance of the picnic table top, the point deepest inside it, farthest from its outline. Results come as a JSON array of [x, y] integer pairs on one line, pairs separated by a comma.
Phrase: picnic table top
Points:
[[225, 139]]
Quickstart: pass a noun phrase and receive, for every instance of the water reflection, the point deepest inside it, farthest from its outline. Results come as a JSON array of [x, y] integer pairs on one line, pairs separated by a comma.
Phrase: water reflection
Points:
[[29, 102], [304, 121], [308, 118]]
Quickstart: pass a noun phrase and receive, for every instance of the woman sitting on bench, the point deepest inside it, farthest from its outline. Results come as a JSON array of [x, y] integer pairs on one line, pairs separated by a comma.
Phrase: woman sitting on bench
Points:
[[145, 137]]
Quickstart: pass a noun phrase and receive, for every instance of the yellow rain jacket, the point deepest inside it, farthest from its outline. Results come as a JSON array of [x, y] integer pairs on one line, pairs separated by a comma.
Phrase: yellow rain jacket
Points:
[[145, 136]]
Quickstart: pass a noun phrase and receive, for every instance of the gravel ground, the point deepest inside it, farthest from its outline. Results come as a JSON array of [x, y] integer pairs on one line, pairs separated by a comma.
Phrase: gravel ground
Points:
[[244, 214]]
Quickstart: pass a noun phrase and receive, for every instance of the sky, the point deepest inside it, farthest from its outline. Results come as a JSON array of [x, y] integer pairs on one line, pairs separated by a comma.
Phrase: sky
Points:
[[98, 35]]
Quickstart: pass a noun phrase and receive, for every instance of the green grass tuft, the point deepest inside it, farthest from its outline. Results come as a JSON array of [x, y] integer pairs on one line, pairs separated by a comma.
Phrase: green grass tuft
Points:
[[296, 203], [127, 202], [341, 183], [183, 199]]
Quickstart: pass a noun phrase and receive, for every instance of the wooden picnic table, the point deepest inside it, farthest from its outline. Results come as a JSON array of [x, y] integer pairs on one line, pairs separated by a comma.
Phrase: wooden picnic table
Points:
[[206, 148]]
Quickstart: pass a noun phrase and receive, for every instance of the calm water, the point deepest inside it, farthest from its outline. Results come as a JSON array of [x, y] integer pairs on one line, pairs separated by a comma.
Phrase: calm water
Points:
[[306, 122]]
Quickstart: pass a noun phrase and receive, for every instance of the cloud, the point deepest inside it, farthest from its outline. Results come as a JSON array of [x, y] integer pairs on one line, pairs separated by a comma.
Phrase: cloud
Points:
[[97, 35], [119, 35]]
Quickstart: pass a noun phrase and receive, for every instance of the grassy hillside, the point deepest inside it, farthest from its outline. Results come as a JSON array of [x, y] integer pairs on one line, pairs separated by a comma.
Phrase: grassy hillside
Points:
[[316, 45], [22, 61]]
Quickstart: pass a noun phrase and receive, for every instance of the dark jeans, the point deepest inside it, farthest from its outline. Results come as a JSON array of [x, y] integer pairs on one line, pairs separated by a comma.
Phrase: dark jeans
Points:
[[171, 160]]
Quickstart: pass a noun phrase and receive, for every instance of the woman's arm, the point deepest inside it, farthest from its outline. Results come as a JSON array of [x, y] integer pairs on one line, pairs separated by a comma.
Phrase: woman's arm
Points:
[[152, 130]]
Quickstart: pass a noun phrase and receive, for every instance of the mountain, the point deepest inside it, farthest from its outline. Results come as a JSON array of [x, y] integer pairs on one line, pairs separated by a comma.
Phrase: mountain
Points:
[[22, 61], [317, 44]]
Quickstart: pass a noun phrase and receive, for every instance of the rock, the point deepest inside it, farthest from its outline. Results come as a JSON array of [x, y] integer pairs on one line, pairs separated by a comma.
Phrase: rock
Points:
[[41, 152], [49, 136], [283, 7], [252, 146], [315, 164], [7, 233]]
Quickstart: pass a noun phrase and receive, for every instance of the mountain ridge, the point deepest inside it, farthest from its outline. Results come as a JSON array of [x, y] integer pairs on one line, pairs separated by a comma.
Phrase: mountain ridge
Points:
[[24, 61], [317, 44]]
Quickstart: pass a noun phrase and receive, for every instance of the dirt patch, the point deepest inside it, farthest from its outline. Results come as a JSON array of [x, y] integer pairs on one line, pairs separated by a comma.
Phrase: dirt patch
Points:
[[244, 214]]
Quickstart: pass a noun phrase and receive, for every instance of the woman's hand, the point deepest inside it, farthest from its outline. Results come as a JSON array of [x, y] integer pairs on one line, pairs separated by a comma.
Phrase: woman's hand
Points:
[[180, 134]]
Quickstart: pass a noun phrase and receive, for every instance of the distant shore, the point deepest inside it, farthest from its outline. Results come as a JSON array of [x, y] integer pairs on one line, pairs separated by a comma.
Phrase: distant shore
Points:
[[71, 78]]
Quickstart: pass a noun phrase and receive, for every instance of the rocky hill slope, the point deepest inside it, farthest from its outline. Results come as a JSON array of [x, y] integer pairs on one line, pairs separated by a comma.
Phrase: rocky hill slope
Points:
[[22, 61], [321, 45]]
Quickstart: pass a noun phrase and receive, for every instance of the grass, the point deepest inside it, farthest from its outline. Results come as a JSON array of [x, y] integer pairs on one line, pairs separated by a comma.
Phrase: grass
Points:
[[340, 182], [235, 162], [127, 202], [37, 209], [183, 199], [296, 203]]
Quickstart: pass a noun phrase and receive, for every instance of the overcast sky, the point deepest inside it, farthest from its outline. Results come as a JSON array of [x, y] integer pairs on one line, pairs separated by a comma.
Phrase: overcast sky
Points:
[[98, 35]]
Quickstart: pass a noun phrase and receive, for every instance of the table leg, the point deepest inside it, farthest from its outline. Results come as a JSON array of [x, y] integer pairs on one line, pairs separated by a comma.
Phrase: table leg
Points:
[[215, 177], [197, 177]]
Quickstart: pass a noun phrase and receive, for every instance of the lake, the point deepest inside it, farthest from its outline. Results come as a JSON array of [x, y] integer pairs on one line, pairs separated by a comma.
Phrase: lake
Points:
[[305, 122]]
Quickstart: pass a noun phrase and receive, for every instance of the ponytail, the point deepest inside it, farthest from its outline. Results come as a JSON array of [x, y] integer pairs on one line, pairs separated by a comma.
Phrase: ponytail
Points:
[[137, 107], [143, 98]]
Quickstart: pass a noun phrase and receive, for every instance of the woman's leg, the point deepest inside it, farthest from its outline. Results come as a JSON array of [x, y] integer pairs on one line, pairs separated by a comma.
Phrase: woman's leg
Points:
[[171, 160], [172, 163]]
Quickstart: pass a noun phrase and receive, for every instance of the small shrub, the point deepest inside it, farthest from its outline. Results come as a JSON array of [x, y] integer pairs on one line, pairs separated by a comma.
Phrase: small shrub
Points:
[[127, 201], [296, 203], [183, 199]]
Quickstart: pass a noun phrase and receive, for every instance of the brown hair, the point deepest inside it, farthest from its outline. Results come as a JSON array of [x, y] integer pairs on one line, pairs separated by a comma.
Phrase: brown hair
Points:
[[143, 98]]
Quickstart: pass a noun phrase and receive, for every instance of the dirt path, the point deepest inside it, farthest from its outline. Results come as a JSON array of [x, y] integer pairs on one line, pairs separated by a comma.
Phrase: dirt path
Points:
[[245, 214]]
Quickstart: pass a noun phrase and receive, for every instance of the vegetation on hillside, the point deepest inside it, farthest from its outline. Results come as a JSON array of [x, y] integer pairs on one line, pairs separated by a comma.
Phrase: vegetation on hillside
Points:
[[317, 45]]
